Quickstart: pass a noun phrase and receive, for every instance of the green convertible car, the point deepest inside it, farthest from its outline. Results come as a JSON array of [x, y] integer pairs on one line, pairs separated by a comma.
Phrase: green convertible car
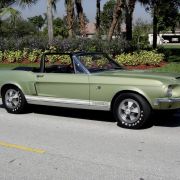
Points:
[[90, 81]]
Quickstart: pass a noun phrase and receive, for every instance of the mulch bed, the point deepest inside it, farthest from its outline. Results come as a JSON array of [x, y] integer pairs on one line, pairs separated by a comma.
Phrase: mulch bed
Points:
[[144, 67], [139, 67]]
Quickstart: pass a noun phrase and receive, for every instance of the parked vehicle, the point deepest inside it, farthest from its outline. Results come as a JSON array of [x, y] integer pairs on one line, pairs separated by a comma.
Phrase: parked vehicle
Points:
[[90, 81], [160, 39]]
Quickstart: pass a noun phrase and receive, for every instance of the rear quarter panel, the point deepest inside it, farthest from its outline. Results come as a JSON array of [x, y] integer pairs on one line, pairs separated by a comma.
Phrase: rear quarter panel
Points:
[[22, 79]]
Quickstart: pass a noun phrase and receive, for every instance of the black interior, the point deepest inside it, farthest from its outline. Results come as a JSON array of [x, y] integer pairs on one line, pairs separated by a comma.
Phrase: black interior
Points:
[[59, 69], [49, 69], [23, 68]]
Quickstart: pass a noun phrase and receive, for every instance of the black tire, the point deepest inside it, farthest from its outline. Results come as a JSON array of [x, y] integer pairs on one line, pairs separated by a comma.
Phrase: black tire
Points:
[[131, 111], [13, 100]]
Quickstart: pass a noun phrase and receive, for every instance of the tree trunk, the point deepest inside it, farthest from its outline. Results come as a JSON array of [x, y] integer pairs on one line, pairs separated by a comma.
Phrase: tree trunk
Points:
[[116, 14], [129, 9], [155, 27], [173, 29], [98, 13], [50, 21], [129, 27], [70, 17], [80, 13]]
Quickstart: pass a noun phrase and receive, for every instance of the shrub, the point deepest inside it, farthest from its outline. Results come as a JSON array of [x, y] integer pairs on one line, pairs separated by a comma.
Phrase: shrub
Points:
[[25, 53], [1, 56], [34, 56], [18, 56], [10, 56], [84, 44], [140, 58], [30, 42]]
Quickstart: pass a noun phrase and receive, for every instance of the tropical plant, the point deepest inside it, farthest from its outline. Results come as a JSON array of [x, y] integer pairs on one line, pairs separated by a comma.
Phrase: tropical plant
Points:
[[141, 30], [18, 56], [12, 13], [107, 16], [6, 3], [59, 28], [10, 56], [1, 57], [38, 21], [140, 58], [34, 56]]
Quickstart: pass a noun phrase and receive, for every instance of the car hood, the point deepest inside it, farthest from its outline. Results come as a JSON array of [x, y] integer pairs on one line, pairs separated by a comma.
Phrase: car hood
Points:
[[141, 75]]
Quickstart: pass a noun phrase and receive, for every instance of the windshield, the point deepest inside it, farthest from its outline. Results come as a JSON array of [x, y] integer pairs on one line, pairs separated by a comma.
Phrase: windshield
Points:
[[98, 62]]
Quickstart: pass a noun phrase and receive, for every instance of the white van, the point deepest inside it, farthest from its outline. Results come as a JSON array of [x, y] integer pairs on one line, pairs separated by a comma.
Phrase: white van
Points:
[[160, 40]]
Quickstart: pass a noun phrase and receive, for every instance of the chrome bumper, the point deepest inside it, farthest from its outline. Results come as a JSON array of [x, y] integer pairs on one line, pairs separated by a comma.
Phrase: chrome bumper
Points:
[[166, 100]]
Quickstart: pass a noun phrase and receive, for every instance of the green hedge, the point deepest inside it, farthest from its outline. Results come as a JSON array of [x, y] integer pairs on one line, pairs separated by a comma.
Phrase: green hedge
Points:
[[130, 59]]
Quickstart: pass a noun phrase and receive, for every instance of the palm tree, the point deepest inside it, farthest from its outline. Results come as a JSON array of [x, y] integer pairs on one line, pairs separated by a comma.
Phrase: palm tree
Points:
[[80, 14], [11, 12], [50, 20], [51, 4], [70, 16], [116, 15], [6, 3], [5, 9], [129, 9], [98, 14]]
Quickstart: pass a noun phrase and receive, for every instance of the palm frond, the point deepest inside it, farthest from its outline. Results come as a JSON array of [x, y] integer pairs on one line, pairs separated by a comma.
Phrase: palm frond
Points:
[[24, 3], [10, 11]]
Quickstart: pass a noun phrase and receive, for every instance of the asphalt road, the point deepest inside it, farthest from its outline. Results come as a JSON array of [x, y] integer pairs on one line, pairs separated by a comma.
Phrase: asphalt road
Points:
[[61, 144]]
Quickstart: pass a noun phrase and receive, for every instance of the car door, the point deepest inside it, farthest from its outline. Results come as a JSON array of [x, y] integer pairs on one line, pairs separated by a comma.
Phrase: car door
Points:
[[66, 87]]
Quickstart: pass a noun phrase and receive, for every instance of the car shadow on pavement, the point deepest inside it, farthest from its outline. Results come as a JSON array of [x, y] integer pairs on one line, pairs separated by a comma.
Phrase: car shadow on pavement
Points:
[[158, 119], [75, 113], [166, 119]]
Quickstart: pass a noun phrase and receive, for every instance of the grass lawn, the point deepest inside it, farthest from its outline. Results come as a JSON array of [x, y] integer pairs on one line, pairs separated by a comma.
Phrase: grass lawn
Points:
[[171, 67], [174, 58], [173, 50], [169, 46]]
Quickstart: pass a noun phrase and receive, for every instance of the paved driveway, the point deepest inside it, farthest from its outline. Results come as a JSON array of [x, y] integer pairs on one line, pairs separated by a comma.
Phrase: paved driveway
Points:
[[54, 143]]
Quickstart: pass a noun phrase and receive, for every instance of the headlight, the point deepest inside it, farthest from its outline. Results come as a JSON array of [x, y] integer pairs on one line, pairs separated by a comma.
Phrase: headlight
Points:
[[169, 91]]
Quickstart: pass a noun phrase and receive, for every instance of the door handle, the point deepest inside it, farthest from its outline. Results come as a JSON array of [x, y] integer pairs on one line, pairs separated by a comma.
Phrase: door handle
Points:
[[40, 76]]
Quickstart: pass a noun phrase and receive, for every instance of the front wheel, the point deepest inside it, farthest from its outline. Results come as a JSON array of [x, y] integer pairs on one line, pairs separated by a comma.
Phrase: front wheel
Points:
[[13, 100], [131, 110]]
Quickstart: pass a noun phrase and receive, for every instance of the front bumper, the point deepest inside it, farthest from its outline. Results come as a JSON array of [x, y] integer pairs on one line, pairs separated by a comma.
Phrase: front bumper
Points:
[[167, 103]]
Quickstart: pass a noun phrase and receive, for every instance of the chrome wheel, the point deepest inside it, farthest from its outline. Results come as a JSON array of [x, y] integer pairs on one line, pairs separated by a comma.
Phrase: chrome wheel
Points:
[[129, 111], [12, 98]]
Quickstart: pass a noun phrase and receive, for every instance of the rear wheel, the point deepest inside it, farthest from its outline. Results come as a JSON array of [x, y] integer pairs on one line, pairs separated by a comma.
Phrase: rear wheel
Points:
[[13, 100], [131, 110]]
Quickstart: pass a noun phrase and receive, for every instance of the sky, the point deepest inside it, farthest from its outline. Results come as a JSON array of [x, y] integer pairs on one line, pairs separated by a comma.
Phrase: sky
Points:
[[88, 5]]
